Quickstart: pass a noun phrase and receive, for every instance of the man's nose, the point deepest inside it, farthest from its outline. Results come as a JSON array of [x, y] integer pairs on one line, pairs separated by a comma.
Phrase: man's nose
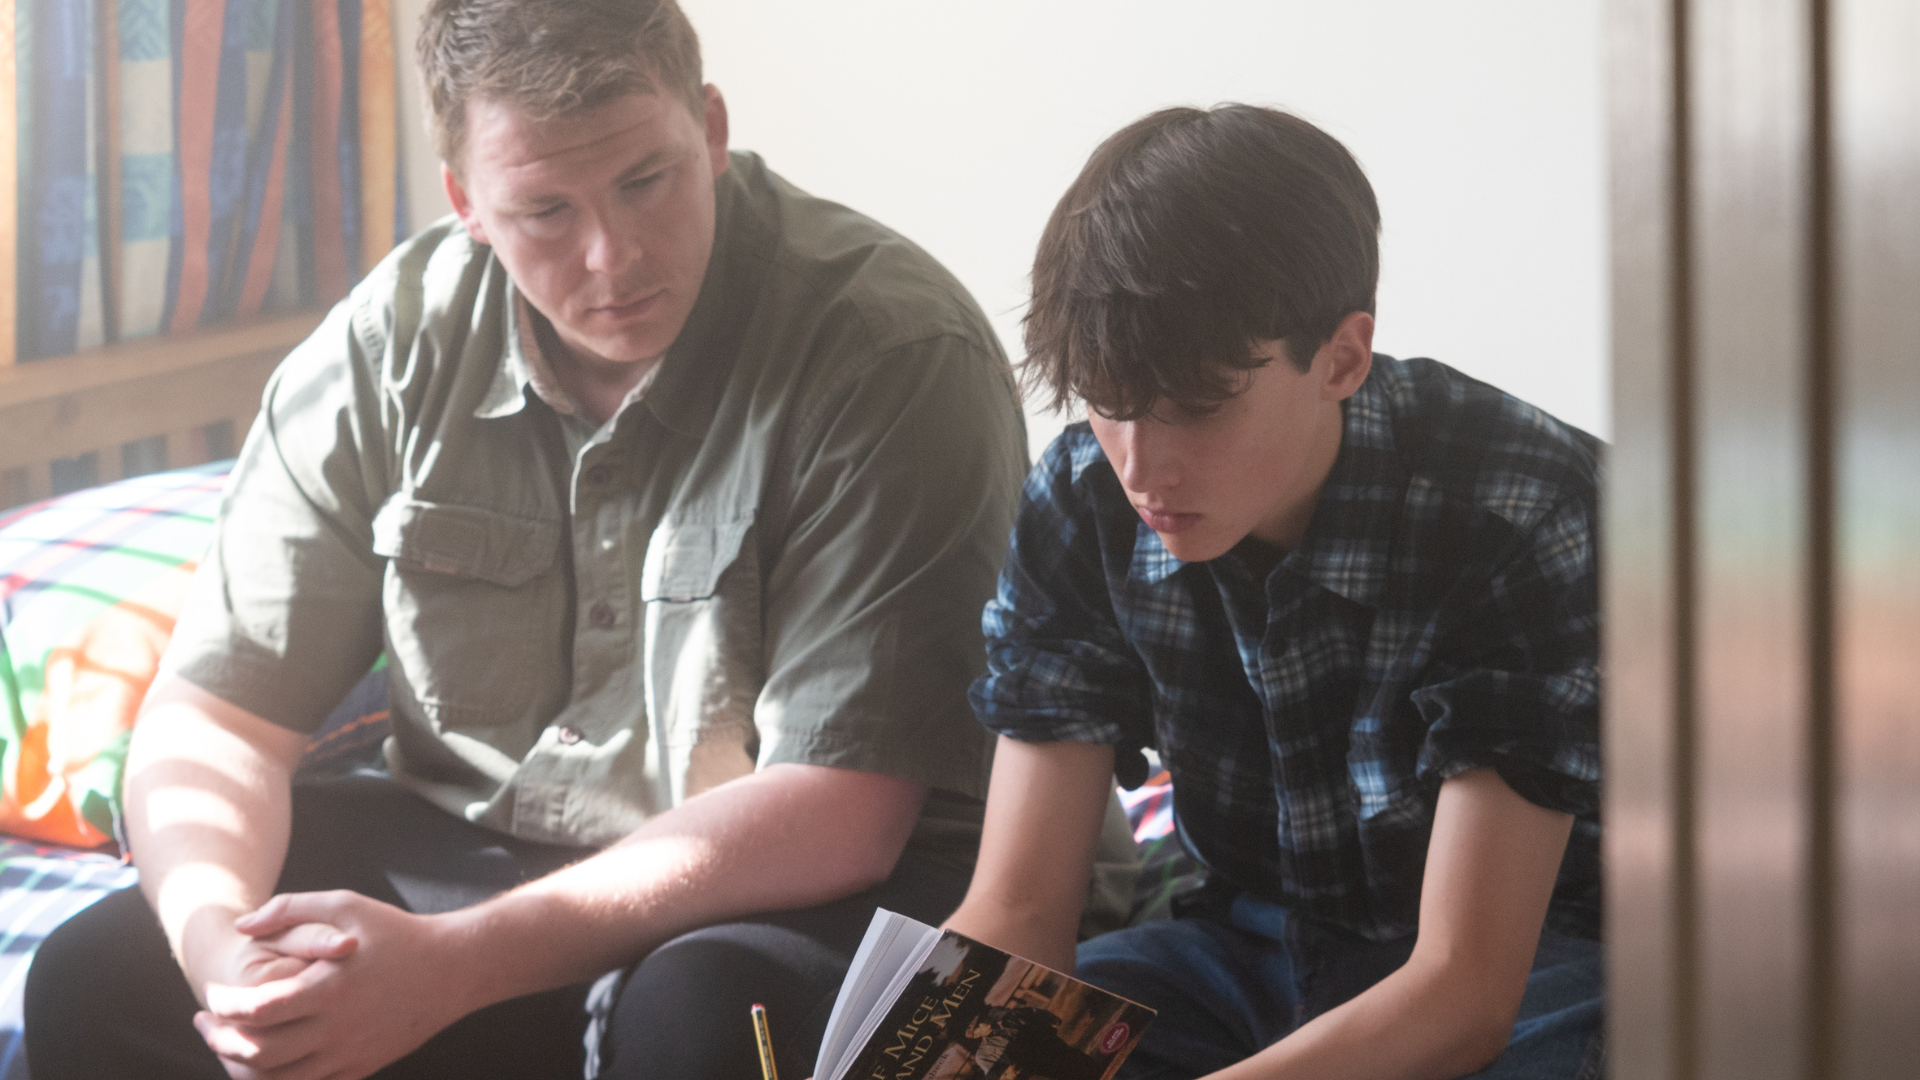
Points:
[[611, 249]]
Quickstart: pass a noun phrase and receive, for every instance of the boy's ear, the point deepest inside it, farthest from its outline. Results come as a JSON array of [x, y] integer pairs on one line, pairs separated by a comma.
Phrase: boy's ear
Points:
[[1348, 356]]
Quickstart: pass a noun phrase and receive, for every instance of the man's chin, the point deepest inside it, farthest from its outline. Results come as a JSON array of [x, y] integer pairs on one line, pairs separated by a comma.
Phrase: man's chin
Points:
[[624, 349]]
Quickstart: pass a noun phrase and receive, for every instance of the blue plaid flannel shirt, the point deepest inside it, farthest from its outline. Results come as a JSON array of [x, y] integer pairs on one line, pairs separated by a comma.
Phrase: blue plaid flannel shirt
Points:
[[1440, 614]]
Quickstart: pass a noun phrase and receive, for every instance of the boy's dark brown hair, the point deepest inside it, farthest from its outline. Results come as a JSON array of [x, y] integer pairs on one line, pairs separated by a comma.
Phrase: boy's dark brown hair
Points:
[[1189, 235], [550, 58]]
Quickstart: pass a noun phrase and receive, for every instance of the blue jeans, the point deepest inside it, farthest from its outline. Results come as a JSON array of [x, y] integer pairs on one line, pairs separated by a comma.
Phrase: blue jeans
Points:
[[1228, 986]]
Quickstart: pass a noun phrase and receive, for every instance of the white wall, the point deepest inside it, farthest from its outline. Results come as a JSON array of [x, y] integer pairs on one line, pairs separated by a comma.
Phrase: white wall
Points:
[[961, 122], [421, 174]]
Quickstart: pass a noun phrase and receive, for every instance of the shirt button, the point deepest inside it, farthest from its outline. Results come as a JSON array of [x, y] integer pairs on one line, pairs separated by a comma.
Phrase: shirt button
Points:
[[600, 616], [599, 474], [606, 544], [570, 735]]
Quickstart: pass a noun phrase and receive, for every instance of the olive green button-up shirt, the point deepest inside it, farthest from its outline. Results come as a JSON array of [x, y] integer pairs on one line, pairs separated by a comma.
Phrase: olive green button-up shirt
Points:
[[777, 553]]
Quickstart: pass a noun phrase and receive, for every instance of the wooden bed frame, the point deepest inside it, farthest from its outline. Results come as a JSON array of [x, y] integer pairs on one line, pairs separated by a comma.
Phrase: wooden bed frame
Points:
[[136, 407]]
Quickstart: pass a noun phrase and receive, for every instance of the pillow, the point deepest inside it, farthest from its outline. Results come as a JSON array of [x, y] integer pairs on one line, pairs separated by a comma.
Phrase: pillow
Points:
[[1167, 871], [90, 586]]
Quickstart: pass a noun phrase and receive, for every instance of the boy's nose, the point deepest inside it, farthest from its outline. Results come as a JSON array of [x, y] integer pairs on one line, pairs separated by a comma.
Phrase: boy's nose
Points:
[[1148, 464]]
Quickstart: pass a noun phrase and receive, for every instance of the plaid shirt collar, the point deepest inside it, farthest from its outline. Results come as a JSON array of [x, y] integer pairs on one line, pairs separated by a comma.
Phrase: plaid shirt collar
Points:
[[1358, 499]]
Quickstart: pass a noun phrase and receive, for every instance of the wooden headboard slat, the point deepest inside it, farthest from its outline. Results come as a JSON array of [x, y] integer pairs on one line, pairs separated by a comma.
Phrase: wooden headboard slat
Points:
[[97, 402]]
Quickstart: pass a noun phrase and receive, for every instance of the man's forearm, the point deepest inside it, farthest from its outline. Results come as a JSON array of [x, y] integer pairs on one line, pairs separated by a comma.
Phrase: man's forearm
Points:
[[208, 811], [788, 836]]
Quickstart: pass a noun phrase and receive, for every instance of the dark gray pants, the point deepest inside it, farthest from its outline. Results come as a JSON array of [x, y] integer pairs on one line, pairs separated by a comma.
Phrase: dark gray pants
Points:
[[104, 998]]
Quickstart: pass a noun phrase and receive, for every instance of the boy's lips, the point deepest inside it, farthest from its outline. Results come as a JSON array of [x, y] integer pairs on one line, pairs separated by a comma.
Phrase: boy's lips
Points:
[[1166, 521]]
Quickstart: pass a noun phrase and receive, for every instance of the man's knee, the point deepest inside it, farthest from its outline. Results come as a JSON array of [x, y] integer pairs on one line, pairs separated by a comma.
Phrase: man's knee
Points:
[[684, 1010], [102, 974], [57, 979], [77, 961]]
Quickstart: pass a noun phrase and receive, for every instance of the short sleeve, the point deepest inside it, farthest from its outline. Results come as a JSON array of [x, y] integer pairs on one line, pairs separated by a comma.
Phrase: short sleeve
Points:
[[1517, 686], [284, 615], [1058, 667], [901, 485]]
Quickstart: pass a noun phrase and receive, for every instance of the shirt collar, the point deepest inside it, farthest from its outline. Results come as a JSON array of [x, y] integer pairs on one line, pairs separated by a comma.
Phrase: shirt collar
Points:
[[1345, 550], [1152, 562], [507, 395], [522, 367]]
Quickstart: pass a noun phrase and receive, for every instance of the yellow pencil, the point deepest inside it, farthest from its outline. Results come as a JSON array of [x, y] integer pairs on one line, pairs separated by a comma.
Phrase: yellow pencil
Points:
[[765, 1041]]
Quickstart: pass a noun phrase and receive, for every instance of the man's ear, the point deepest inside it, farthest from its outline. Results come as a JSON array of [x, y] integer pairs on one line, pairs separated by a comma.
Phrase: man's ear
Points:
[[716, 123], [462, 206], [1348, 356]]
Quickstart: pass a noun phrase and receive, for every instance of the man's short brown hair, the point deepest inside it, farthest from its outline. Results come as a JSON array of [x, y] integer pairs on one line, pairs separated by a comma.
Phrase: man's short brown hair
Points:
[[551, 58], [1190, 235]]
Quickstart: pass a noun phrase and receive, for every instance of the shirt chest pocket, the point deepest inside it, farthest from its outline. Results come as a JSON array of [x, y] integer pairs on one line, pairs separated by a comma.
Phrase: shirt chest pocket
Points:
[[476, 611], [700, 585]]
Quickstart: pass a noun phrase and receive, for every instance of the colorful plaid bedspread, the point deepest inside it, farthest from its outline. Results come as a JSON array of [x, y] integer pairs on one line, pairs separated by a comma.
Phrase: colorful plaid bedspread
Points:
[[40, 887], [88, 585]]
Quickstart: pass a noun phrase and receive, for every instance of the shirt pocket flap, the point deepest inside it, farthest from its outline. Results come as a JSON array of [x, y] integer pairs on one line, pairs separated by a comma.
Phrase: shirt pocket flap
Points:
[[465, 540], [685, 560]]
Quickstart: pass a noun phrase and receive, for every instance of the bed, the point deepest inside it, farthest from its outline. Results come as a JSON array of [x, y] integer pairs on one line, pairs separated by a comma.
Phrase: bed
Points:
[[138, 407]]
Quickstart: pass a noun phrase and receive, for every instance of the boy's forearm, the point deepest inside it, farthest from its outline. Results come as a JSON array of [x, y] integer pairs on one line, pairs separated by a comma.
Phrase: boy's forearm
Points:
[[1450, 1009], [1423, 1022], [1043, 819]]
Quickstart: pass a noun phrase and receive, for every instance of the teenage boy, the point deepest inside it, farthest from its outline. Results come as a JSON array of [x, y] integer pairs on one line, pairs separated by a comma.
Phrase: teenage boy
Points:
[[1349, 600]]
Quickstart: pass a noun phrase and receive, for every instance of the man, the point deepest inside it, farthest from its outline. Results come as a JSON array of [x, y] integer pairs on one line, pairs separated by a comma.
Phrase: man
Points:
[[1351, 602], [672, 494]]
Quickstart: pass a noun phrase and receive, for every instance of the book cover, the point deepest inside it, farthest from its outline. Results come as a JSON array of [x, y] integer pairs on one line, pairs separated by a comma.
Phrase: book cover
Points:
[[972, 1012]]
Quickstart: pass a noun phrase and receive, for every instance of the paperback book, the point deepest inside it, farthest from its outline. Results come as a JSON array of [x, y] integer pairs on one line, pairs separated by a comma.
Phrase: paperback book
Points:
[[926, 1004]]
